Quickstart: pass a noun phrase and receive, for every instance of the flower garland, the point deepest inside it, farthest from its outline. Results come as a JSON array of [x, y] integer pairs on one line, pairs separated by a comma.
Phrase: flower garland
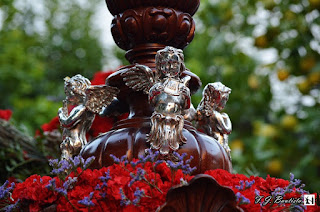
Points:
[[139, 185]]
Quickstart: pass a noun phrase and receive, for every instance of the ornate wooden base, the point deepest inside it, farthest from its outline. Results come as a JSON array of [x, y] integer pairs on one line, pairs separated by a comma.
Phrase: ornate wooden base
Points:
[[128, 137]]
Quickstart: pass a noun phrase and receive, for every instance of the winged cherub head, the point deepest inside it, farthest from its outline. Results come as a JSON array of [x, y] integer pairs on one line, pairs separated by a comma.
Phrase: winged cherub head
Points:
[[75, 88], [170, 61]]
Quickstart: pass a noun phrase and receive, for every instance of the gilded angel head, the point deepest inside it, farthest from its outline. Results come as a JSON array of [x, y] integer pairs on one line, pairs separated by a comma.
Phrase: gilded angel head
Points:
[[170, 61]]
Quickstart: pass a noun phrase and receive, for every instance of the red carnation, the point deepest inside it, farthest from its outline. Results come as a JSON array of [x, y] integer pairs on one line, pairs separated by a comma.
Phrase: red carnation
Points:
[[5, 114], [34, 189], [272, 183], [100, 77], [100, 125], [52, 125]]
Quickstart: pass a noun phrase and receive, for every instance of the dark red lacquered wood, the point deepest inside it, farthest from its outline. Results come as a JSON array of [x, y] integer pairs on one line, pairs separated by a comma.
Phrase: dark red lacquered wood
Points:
[[160, 25], [119, 6], [129, 138]]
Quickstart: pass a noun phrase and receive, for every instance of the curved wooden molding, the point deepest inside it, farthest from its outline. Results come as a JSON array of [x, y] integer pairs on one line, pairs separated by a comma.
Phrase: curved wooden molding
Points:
[[203, 193]]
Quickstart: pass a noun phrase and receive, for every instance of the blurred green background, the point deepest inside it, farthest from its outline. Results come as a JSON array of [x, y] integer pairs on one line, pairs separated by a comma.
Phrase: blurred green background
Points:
[[266, 51]]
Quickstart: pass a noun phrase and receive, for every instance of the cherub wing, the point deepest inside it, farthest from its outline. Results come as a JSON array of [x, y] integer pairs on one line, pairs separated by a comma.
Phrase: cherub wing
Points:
[[99, 96], [140, 78]]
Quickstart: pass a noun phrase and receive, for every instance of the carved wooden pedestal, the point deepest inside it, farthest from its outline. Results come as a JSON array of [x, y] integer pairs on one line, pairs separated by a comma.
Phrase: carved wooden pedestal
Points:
[[142, 27]]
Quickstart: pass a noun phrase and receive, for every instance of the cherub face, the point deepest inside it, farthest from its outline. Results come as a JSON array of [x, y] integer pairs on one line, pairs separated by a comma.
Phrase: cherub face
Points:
[[75, 88], [171, 65], [71, 95]]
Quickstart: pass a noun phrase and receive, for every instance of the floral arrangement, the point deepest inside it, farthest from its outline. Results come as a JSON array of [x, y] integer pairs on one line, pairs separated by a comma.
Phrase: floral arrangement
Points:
[[139, 185]]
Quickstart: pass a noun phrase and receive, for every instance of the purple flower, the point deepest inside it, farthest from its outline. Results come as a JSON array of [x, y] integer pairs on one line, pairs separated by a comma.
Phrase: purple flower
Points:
[[245, 185], [134, 164], [124, 159], [137, 177], [295, 183], [87, 200], [241, 186], [291, 176], [57, 171], [180, 157], [61, 191], [104, 180], [51, 185], [144, 158], [138, 194], [53, 162], [81, 160], [76, 161], [189, 160], [98, 187], [103, 194], [4, 191], [302, 191], [88, 162], [151, 156], [124, 200], [186, 169], [180, 164], [242, 199], [278, 192], [173, 165], [62, 167], [70, 182], [65, 165], [115, 159], [107, 177], [11, 207], [249, 184]]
